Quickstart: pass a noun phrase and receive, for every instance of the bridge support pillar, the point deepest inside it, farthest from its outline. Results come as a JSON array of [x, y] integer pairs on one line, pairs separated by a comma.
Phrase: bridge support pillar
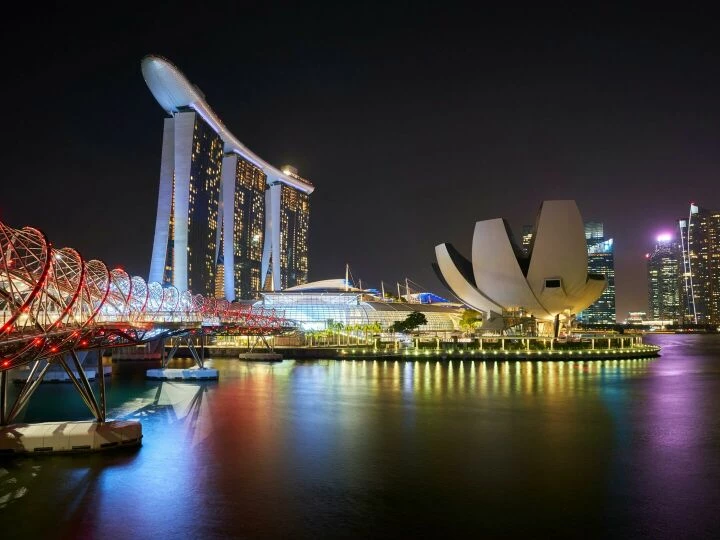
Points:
[[198, 373], [82, 385], [171, 354], [194, 352], [3, 396], [261, 338], [25, 392], [101, 384]]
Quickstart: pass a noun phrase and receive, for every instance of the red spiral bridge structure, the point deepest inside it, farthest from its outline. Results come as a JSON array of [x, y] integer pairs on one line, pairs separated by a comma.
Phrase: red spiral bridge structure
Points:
[[54, 304]]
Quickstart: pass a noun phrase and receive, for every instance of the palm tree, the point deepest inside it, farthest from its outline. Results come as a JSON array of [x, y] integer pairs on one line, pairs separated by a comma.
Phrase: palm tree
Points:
[[470, 320]]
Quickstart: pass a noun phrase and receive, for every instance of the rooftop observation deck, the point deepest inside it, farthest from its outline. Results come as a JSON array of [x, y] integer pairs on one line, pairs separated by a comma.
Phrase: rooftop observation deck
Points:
[[174, 92]]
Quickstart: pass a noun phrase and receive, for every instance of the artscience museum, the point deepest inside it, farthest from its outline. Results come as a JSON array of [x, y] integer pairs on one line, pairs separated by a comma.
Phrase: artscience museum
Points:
[[543, 289]]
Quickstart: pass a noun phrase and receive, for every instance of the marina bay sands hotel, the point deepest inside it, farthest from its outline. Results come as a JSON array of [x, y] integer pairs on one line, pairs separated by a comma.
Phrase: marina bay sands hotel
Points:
[[228, 223]]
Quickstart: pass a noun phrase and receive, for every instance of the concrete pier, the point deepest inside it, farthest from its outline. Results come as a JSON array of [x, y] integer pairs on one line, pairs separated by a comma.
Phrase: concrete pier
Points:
[[174, 374], [261, 356], [61, 437], [61, 376]]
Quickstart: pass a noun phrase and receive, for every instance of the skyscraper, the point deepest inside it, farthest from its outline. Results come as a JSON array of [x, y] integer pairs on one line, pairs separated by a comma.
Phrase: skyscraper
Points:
[[294, 221], [594, 232], [663, 265], [699, 242], [220, 203], [528, 232], [601, 260], [243, 211]]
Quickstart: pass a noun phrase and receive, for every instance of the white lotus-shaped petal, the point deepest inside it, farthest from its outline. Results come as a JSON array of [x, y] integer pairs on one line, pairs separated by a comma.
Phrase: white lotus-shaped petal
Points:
[[552, 280]]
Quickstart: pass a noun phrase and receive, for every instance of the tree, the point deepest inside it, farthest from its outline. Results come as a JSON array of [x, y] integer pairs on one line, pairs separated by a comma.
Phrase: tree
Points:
[[411, 322], [335, 328], [470, 320]]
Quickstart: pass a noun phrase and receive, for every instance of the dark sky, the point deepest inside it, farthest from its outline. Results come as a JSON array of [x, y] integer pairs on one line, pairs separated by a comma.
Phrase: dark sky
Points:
[[413, 122]]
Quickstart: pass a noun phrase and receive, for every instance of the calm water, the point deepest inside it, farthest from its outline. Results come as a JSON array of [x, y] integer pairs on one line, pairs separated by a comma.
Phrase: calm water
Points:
[[390, 450]]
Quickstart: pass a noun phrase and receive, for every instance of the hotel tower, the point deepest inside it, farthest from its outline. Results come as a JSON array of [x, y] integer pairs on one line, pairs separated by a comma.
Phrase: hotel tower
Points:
[[227, 221]]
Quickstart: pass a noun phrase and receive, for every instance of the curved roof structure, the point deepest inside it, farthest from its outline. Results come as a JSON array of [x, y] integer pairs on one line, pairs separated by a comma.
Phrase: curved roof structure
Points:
[[553, 280], [173, 91], [328, 285]]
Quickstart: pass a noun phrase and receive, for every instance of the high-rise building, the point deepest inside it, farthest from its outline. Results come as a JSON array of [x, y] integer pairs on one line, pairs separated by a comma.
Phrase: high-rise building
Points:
[[664, 275], [601, 260], [186, 226], [527, 235], [219, 201], [700, 245], [294, 221], [594, 232], [243, 210]]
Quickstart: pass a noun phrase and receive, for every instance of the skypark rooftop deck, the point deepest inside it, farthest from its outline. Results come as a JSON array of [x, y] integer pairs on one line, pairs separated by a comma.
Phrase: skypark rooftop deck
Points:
[[173, 91]]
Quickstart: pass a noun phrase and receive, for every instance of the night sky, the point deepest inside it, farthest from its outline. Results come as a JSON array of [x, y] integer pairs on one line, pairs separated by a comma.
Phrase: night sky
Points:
[[412, 122]]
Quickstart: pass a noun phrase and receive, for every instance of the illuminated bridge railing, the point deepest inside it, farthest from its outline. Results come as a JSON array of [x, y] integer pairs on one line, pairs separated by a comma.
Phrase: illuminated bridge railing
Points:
[[53, 301]]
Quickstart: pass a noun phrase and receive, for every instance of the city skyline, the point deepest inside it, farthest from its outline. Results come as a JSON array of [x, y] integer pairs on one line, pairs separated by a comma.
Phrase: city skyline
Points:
[[397, 133]]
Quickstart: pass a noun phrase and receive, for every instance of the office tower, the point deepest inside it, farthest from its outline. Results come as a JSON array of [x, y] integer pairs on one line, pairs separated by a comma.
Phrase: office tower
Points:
[[663, 266], [699, 236], [601, 260], [594, 232]]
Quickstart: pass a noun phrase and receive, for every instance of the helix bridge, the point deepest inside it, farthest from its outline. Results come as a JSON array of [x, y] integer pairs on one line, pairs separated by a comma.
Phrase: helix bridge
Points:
[[55, 305]]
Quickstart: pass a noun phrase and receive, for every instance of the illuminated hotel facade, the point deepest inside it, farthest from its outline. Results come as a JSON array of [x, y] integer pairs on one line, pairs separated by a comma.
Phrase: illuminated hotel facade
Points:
[[221, 204], [294, 223]]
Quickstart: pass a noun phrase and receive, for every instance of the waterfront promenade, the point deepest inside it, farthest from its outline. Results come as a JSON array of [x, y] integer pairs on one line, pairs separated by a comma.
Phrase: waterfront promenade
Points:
[[599, 346]]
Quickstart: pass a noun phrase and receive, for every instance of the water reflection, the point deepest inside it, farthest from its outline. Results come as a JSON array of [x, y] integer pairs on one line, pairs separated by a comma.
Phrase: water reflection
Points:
[[15, 482], [436, 379], [385, 448]]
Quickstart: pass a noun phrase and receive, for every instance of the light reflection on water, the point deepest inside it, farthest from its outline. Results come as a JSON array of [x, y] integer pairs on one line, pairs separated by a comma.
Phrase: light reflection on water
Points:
[[392, 448]]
